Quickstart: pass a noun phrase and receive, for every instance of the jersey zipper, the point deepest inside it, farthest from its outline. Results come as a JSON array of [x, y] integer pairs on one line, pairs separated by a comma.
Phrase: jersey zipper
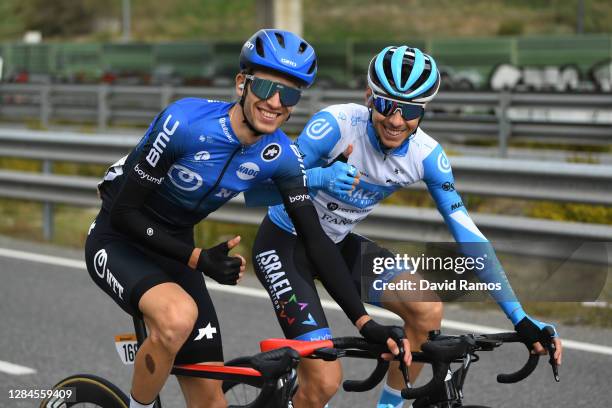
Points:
[[205, 196]]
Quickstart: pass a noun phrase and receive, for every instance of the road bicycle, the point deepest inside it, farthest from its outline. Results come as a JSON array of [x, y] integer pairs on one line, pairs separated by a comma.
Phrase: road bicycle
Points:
[[269, 379], [272, 372], [444, 390]]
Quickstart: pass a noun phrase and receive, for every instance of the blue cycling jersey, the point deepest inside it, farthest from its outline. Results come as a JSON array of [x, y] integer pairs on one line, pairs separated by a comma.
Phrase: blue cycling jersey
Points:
[[189, 163], [195, 163]]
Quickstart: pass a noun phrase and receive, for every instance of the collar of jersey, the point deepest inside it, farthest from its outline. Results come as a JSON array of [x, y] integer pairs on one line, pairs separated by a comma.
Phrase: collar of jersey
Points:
[[401, 150], [265, 136]]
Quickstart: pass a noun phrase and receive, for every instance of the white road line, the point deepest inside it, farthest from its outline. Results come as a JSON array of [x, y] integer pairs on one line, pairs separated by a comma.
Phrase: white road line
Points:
[[14, 369], [46, 259], [327, 304]]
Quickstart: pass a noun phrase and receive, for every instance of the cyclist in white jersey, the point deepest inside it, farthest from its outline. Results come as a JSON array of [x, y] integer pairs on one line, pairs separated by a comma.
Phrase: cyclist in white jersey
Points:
[[355, 157]]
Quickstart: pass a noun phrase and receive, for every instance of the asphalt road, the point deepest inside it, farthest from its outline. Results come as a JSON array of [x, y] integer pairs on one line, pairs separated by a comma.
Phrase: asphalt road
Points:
[[54, 320]]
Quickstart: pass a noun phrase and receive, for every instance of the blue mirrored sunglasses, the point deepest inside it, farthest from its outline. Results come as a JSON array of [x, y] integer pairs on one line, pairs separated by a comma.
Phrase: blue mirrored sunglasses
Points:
[[265, 89], [387, 107]]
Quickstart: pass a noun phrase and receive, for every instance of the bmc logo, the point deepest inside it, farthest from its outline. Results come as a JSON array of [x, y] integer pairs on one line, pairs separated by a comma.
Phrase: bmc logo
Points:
[[249, 45], [161, 141], [300, 197], [247, 171]]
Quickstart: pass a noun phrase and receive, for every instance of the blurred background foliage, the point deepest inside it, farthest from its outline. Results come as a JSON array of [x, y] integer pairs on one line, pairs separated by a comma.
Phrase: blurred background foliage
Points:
[[324, 20]]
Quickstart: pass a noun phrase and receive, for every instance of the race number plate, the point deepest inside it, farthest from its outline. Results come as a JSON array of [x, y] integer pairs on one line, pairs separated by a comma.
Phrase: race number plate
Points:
[[127, 346]]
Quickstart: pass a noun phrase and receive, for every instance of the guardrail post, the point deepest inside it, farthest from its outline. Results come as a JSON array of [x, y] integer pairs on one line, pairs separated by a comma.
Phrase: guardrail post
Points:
[[45, 105], [102, 107], [504, 124], [47, 215], [166, 95]]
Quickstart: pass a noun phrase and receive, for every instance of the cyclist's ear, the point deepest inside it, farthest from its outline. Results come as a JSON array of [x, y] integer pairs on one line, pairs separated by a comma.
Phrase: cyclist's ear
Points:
[[368, 97], [240, 81]]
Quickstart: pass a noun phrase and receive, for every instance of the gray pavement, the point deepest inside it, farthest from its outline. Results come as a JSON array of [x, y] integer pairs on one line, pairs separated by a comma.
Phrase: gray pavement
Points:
[[56, 321]]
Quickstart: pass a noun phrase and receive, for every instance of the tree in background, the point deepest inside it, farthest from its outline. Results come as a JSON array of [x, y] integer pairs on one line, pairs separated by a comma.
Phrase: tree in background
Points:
[[57, 18]]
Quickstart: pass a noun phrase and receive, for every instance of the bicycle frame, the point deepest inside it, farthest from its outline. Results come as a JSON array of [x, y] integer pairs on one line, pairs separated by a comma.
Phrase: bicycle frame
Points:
[[274, 381], [273, 370]]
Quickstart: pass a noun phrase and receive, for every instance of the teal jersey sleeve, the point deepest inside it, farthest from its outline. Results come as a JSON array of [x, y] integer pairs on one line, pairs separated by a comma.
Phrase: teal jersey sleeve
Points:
[[438, 177], [318, 139]]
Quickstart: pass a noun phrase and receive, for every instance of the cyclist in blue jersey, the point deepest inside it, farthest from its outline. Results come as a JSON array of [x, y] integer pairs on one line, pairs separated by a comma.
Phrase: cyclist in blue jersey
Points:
[[196, 155], [355, 157]]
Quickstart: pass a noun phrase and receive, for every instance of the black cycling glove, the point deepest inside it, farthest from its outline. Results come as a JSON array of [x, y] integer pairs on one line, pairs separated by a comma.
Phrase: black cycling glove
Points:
[[533, 331], [215, 262], [377, 333]]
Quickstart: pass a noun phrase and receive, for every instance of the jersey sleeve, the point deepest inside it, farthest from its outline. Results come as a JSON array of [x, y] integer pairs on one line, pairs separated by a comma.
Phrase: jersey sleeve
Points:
[[162, 146], [323, 253], [318, 139], [440, 182]]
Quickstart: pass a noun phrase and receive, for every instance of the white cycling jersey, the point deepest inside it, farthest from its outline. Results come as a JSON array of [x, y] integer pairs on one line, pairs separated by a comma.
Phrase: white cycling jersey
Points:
[[382, 172]]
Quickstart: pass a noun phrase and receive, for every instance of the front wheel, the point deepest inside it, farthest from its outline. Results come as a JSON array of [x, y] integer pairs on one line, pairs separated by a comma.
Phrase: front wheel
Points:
[[236, 393], [85, 391], [239, 395]]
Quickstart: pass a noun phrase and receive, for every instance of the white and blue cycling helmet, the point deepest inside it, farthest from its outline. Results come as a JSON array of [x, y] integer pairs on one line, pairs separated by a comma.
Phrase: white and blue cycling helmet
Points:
[[280, 51], [404, 73]]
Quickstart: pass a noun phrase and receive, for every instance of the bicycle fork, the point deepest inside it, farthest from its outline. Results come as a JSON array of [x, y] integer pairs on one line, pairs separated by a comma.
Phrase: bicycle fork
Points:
[[450, 393]]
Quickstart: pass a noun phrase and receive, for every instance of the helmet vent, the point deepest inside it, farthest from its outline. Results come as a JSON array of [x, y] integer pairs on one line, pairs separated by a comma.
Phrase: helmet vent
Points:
[[302, 48], [259, 47], [313, 66], [280, 39]]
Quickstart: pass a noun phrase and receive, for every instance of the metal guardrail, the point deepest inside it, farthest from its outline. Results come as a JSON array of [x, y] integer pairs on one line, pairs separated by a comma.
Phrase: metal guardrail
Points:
[[451, 116], [567, 182], [584, 183], [511, 234]]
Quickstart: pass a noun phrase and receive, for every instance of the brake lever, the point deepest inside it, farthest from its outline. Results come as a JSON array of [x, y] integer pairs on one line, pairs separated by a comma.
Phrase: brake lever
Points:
[[403, 368], [402, 352], [551, 348]]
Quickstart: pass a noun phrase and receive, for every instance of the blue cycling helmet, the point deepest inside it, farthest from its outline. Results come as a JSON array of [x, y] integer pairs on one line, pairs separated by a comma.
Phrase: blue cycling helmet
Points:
[[404, 73], [281, 51]]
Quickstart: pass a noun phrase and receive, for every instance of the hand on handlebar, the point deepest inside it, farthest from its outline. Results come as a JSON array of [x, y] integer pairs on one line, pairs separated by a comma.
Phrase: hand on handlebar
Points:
[[534, 332], [392, 336]]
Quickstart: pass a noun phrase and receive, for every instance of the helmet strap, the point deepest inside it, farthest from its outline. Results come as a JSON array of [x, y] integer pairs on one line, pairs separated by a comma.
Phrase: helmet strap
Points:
[[245, 120]]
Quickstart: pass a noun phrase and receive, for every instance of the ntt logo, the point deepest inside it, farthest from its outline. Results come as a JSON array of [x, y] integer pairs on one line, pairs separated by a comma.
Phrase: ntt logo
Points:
[[247, 171]]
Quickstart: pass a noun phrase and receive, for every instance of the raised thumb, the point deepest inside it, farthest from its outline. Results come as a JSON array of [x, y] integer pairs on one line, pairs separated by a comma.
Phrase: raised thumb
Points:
[[347, 152]]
